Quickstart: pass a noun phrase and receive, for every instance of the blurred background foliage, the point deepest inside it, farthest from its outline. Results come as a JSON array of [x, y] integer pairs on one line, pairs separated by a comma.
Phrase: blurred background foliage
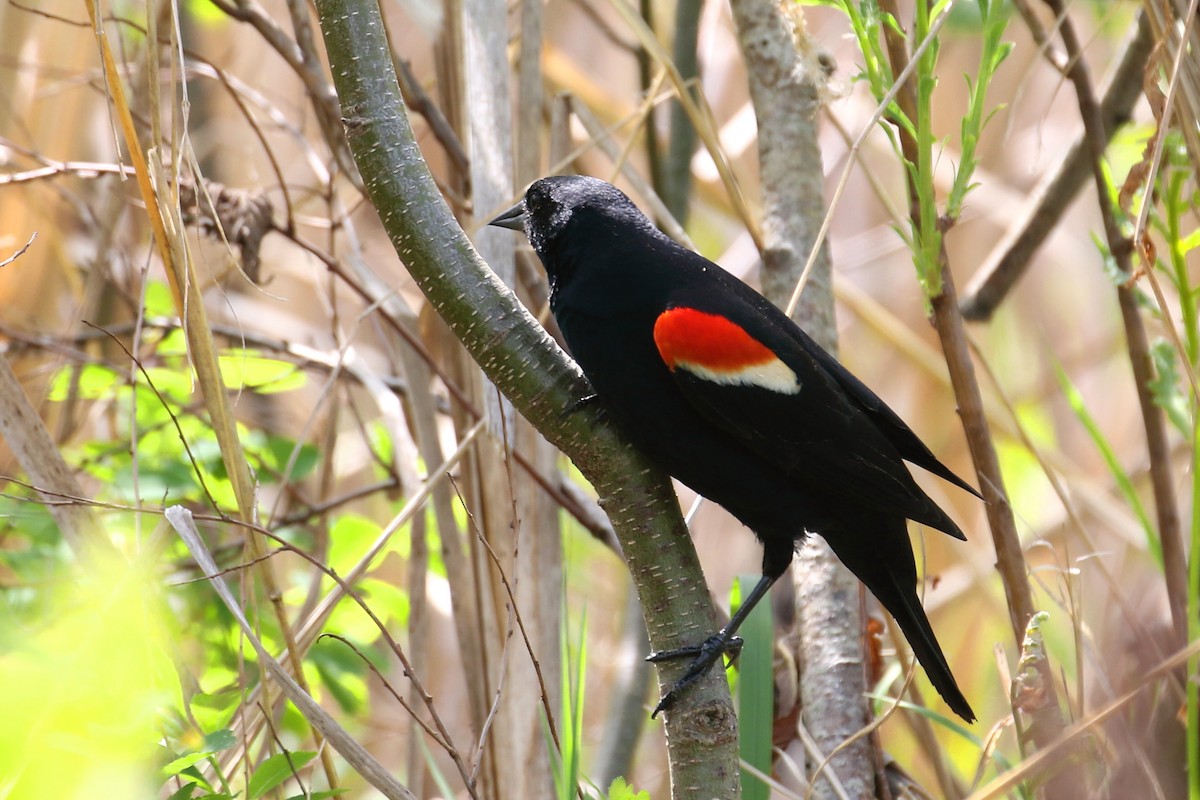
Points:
[[345, 408]]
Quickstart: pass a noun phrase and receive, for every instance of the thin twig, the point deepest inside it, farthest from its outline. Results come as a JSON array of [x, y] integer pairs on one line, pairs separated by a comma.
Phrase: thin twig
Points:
[[366, 765], [346, 590], [544, 694], [307, 67], [430, 732], [20, 252]]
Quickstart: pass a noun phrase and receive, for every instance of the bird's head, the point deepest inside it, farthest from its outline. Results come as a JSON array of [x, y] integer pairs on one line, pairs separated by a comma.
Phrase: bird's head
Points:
[[554, 206]]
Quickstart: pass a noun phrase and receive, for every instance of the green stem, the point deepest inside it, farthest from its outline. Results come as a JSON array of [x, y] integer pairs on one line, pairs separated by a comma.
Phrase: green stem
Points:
[[1193, 633], [929, 236], [1174, 205]]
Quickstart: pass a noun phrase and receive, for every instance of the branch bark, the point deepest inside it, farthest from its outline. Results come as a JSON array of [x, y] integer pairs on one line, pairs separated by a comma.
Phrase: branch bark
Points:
[[525, 364]]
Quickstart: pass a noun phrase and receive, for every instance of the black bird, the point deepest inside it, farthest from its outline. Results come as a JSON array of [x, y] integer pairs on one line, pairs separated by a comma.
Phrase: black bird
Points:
[[727, 394]]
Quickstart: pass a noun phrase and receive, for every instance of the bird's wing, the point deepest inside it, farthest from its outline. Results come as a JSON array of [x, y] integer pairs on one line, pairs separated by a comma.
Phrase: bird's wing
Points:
[[911, 448], [790, 410]]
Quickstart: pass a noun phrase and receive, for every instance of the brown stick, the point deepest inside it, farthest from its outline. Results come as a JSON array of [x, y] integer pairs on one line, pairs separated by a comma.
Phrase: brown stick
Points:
[[1047, 722], [1136, 340]]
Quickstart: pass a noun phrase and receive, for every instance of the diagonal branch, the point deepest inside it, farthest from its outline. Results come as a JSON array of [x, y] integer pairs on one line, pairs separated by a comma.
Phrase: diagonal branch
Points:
[[1011, 256], [525, 364]]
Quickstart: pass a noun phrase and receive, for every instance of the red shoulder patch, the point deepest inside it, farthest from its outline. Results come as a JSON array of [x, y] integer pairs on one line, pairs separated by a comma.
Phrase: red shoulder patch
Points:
[[708, 340], [718, 350]]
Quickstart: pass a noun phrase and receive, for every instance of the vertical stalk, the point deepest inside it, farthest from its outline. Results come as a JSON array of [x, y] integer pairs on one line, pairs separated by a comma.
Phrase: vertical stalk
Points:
[[1010, 559], [1193, 616], [676, 171], [928, 234]]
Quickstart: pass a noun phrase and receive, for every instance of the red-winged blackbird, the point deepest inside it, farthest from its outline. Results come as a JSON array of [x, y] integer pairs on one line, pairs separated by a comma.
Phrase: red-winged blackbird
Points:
[[724, 392]]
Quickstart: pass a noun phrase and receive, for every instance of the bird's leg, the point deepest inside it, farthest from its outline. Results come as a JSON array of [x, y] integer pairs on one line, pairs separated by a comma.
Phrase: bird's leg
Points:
[[706, 653]]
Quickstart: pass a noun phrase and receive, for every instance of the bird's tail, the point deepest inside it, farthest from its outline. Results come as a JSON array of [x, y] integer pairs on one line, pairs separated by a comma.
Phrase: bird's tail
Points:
[[904, 606], [889, 571]]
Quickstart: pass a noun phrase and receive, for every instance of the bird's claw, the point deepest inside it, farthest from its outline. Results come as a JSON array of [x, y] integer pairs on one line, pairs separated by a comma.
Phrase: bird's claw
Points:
[[715, 644], [704, 655]]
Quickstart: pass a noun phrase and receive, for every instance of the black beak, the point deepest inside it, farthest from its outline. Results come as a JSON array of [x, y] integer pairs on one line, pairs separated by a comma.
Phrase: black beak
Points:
[[513, 218]]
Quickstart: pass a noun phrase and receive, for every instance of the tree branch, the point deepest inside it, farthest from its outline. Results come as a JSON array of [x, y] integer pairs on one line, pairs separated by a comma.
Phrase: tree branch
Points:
[[525, 364]]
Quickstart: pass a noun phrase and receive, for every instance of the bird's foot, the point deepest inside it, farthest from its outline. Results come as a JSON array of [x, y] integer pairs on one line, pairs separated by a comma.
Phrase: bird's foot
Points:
[[703, 655]]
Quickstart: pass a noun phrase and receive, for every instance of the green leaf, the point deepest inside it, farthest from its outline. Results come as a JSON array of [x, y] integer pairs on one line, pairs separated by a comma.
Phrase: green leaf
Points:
[[183, 762], [1002, 53], [261, 374], [566, 760], [214, 711], [387, 600], [174, 384], [1123, 481], [278, 451], [1165, 387], [1189, 242], [219, 740], [173, 343], [94, 382], [755, 691], [341, 672], [275, 770], [158, 479], [184, 792], [349, 538], [620, 790], [157, 300]]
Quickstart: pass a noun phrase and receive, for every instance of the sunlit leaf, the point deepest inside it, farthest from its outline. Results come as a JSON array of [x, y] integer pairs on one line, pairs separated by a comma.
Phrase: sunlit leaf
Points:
[[158, 300], [387, 600], [89, 382], [183, 762], [85, 688], [620, 790], [275, 770], [261, 374]]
